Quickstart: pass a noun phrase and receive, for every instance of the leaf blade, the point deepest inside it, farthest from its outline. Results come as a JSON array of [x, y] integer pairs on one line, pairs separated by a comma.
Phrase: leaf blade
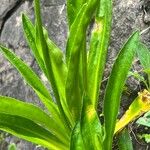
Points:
[[73, 53], [87, 133], [115, 86], [73, 8], [76, 138], [31, 78], [125, 142], [28, 130], [144, 56], [29, 111], [48, 62], [98, 49], [91, 128], [30, 35], [59, 68]]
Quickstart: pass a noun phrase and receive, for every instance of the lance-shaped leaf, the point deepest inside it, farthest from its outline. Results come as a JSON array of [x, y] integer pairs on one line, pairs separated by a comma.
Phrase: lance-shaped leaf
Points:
[[74, 43], [73, 95], [30, 34], [30, 131], [33, 80], [73, 7], [98, 49], [15, 107], [124, 140], [91, 128], [56, 54], [139, 106], [79, 27], [115, 86], [60, 72], [48, 63]]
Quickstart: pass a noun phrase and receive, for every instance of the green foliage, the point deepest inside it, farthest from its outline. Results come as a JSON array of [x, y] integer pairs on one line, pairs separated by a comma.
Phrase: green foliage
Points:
[[98, 49], [145, 120], [144, 57], [115, 86], [29, 130], [71, 120], [12, 146], [124, 140], [146, 137], [139, 77]]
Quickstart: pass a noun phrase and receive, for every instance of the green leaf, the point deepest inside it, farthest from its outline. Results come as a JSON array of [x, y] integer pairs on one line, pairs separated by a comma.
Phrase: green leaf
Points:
[[30, 34], [60, 72], [79, 27], [98, 49], [73, 7], [82, 80], [55, 53], [144, 57], [73, 53], [125, 141], [73, 95], [15, 107], [115, 86], [139, 77], [145, 120], [12, 146], [41, 42], [27, 73], [146, 137], [31, 78], [30, 131], [76, 138], [87, 133], [91, 128], [48, 62]]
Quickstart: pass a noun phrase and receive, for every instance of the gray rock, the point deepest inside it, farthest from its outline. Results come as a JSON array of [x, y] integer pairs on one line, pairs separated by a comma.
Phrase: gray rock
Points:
[[12, 36], [7, 8], [50, 3], [54, 18], [6, 5]]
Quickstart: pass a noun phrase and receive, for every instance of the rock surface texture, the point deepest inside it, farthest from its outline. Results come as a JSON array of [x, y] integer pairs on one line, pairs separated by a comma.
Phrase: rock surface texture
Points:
[[128, 16]]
